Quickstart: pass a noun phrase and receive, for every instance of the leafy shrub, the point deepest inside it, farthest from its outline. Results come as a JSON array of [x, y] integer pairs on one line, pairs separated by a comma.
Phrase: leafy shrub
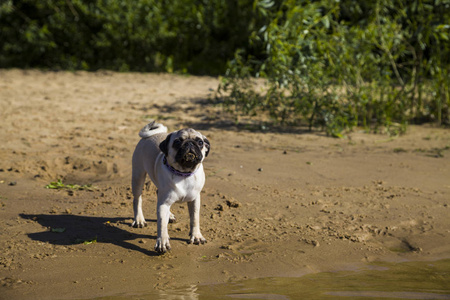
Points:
[[196, 36], [340, 64]]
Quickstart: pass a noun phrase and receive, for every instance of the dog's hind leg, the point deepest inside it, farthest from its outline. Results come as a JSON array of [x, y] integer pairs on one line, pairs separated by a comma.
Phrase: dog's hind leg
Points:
[[172, 218], [137, 185]]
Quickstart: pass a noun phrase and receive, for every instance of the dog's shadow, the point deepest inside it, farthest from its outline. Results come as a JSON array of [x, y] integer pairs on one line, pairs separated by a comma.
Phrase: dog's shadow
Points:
[[72, 229]]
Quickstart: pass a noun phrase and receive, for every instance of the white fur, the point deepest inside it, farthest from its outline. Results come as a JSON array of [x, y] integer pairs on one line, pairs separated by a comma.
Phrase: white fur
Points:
[[151, 129], [148, 159]]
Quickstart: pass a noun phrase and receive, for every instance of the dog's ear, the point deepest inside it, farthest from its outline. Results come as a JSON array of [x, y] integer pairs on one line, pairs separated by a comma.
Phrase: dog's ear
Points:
[[164, 145], [207, 145]]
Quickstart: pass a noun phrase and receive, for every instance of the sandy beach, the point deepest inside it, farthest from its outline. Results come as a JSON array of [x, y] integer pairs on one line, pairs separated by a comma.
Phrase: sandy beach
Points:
[[277, 202]]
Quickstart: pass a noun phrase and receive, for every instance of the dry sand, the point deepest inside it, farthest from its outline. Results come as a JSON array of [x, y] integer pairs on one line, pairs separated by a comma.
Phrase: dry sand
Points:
[[276, 203]]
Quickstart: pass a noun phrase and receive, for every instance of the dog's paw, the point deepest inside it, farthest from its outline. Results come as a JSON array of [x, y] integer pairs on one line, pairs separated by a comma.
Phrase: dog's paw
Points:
[[172, 218], [197, 239], [139, 224], [162, 245]]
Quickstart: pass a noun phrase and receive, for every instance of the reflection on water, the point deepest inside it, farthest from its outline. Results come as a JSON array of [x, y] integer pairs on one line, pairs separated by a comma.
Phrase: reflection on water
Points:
[[189, 293], [411, 280]]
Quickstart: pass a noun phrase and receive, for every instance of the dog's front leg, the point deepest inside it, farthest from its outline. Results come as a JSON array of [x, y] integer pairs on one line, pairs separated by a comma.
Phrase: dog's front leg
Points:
[[194, 213], [162, 241]]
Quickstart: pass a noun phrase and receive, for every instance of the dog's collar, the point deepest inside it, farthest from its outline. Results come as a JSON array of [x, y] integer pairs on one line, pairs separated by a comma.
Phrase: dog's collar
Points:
[[175, 171]]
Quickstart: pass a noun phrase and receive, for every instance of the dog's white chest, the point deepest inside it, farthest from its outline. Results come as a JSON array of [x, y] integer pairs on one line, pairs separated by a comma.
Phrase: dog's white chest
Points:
[[189, 189]]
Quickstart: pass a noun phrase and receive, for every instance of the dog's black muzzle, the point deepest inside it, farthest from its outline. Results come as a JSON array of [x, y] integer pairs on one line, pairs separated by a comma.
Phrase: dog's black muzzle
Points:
[[189, 155]]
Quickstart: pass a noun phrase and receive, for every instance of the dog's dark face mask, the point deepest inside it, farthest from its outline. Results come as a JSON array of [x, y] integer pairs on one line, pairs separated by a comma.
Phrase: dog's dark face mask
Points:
[[189, 152], [187, 149]]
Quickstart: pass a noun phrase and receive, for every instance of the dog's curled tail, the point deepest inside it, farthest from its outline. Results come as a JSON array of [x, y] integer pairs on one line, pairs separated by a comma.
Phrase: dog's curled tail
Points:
[[151, 129]]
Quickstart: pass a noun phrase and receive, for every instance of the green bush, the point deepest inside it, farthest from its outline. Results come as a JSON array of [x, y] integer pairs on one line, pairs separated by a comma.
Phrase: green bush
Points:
[[338, 64], [195, 36]]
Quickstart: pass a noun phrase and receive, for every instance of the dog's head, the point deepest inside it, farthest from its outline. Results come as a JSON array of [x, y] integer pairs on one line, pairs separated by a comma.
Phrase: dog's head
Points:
[[185, 149]]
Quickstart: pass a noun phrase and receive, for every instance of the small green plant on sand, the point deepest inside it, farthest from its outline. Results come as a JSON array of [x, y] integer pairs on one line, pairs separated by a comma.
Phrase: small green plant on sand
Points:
[[86, 241], [59, 185]]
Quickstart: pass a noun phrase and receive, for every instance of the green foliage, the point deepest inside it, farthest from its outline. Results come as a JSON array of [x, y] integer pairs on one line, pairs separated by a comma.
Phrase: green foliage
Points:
[[86, 241], [59, 185], [141, 35], [338, 64]]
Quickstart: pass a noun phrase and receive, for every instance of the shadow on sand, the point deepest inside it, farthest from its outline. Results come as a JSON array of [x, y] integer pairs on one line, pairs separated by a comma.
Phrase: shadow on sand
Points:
[[219, 118], [76, 229]]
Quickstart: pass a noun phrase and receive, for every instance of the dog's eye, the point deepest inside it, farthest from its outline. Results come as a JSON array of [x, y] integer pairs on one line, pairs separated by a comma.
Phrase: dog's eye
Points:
[[177, 143], [200, 143]]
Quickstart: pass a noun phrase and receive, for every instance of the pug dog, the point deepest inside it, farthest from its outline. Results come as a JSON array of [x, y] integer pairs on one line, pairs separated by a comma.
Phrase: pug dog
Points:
[[174, 164]]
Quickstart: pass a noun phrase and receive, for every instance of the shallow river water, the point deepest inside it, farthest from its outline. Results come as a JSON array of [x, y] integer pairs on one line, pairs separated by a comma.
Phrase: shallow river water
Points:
[[408, 280]]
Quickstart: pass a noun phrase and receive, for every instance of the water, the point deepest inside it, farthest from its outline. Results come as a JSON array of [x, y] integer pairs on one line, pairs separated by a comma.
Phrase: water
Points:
[[410, 280]]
